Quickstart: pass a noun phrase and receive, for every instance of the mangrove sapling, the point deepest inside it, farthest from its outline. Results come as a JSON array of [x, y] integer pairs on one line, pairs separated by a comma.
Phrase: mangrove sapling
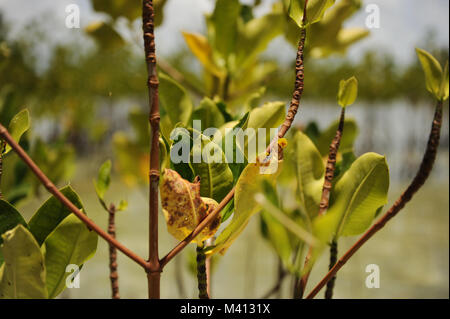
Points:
[[348, 91], [437, 80], [101, 186]]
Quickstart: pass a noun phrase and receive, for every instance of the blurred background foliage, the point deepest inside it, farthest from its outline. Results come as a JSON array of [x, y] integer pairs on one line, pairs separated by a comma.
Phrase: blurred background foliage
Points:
[[90, 101]]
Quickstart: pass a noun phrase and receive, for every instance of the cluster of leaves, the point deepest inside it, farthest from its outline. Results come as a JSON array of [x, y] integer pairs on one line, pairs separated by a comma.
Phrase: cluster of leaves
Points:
[[360, 187], [34, 255], [55, 159]]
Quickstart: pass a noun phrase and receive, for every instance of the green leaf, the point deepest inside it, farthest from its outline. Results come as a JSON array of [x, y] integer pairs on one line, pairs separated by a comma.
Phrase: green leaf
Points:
[[103, 179], [206, 160], [216, 177], [9, 218], [199, 46], [347, 140], [310, 171], [284, 220], [270, 115], [123, 205], [444, 91], [238, 151], [274, 231], [348, 91], [22, 275], [355, 198], [175, 101], [128, 9], [256, 35], [70, 243], [248, 185], [315, 10], [19, 124], [209, 113], [227, 211], [224, 19], [51, 213], [433, 73], [105, 35]]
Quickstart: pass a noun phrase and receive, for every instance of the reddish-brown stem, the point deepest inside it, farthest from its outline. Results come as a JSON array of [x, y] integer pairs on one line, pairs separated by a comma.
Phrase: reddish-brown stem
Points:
[[325, 199], [202, 279], [295, 102], [55, 192], [331, 166], [420, 178], [299, 85], [154, 269], [113, 274], [333, 260], [2, 147]]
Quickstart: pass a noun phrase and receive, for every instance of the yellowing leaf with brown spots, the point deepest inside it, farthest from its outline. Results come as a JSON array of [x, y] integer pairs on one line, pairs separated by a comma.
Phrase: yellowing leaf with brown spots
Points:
[[183, 207]]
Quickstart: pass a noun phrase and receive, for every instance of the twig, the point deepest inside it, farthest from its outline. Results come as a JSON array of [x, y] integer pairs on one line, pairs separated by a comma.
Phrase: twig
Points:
[[2, 147], [113, 275], [58, 195], [331, 166], [201, 273], [325, 199], [333, 259], [154, 269], [299, 85], [424, 171]]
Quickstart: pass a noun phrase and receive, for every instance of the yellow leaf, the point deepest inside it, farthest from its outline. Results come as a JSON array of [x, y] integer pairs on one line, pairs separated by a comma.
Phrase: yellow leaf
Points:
[[183, 207], [200, 47]]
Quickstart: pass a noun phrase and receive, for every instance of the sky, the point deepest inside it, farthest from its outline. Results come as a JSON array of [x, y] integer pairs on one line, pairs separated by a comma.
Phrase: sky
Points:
[[403, 23]]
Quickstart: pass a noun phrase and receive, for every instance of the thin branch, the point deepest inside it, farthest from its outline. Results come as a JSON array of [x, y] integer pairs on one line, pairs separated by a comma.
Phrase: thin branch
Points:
[[299, 85], [55, 192], [202, 278], [154, 270], [333, 259], [325, 199], [424, 171], [113, 274], [2, 147]]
